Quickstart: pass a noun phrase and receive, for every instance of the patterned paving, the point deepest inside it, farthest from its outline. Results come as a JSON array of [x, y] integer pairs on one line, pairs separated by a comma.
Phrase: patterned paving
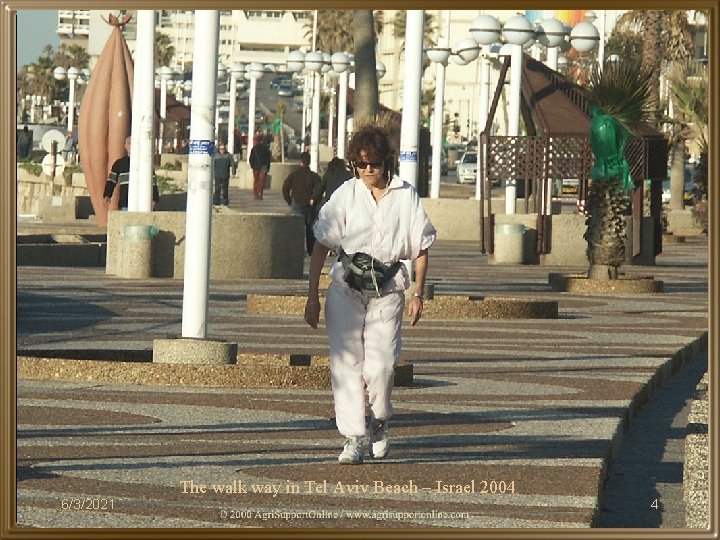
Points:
[[509, 423]]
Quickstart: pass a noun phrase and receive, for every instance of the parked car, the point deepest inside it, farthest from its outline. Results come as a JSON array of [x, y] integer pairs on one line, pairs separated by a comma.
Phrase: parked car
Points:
[[455, 151], [279, 80], [687, 196], [285, 90], [467, 168]]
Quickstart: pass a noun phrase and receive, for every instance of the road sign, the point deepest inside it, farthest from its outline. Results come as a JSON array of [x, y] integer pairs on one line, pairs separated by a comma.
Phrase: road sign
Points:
[[47, 165], [53, 135]]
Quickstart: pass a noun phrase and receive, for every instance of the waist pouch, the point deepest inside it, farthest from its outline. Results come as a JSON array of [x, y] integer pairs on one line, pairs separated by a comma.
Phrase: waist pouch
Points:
[[365, 273]]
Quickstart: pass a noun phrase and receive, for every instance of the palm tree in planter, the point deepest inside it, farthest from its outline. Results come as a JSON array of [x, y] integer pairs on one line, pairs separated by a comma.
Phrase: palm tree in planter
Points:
[[620, 98]]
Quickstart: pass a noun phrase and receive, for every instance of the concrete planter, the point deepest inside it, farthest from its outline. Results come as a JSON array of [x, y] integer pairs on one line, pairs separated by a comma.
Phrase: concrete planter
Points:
[[243, 246]]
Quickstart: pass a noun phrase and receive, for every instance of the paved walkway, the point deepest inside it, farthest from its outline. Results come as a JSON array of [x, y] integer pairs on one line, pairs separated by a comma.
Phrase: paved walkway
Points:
[[509, 423]]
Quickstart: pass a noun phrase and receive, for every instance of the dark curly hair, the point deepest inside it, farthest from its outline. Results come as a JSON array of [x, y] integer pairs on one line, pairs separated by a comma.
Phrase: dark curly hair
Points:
[[374, 141]]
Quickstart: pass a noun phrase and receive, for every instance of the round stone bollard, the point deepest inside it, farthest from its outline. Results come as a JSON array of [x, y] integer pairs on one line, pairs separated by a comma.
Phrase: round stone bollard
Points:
[[136, 261], [194, 351], [509, 243]]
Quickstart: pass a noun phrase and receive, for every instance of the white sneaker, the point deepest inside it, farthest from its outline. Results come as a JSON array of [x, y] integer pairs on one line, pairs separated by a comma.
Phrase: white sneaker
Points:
[[352, 453], [379, 442]]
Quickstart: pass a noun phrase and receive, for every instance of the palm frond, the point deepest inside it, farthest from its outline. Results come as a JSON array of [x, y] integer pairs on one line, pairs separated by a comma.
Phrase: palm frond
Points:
[[623, 90]]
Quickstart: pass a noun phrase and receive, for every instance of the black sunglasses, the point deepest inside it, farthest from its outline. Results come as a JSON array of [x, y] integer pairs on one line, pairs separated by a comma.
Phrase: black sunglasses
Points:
[[362, 165]]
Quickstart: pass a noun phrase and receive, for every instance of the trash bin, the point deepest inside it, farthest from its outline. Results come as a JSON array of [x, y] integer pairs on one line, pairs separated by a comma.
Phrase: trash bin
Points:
[[136, 261], [509, 240]]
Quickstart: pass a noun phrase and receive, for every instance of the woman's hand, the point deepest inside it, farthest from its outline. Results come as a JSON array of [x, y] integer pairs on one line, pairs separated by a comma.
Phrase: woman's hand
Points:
[[414, 308], [312, 312]]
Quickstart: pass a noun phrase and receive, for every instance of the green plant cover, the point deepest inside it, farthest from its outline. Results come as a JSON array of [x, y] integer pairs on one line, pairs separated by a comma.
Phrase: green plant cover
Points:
[[607, 140]]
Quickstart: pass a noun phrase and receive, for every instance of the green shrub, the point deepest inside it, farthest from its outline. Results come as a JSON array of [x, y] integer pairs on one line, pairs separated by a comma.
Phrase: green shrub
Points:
[[31, 167], [165, 184]]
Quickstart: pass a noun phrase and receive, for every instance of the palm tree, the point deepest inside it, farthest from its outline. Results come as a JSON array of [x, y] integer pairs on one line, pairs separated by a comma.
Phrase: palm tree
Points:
[[667, 39], [621, 101], [164, 50], [690, 98], [366, 86], [334, 29]]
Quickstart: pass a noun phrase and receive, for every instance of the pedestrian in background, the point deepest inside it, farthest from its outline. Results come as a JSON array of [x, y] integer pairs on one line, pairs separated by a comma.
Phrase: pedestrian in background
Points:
[[297, 191], [68, 151], [260, 163], [335, 176], [119, 178], [373, 222], [24, 142], [223, 163]]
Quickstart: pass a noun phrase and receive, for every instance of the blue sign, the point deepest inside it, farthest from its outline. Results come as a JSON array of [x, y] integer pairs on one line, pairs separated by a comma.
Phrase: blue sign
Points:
[[200, 146], [409, 155]]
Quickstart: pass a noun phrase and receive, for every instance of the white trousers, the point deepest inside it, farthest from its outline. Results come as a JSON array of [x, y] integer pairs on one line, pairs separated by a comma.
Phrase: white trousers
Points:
[[365, 343]]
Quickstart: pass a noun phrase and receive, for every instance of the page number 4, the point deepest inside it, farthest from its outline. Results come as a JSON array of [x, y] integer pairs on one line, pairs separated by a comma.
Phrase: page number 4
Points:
[[655, 504]]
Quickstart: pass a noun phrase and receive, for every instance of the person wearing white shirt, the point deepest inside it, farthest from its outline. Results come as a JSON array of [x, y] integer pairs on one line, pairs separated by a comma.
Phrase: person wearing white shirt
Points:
[[373, 221]]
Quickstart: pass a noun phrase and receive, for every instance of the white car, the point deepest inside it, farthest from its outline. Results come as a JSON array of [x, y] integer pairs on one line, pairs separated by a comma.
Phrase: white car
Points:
[[467, 168]]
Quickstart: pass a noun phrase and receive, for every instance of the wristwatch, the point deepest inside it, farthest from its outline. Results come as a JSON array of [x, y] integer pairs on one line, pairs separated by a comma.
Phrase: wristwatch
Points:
[[418, 295]]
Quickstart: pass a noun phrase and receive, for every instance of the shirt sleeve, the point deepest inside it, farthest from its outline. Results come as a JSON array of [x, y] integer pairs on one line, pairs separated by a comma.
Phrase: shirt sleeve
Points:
[[330, 226], [422, 232]]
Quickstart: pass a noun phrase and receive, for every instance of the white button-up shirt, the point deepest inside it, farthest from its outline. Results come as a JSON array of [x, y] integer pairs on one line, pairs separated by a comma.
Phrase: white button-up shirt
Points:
[[393, 228]]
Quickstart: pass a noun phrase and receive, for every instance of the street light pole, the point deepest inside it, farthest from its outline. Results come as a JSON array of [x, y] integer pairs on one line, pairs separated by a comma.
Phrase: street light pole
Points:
[[485, 30], [341, 65], [314, 62], [165, 75], [196, 282], [409, 131], [517, 31], [72, 75], [236, 70], [143, 115], [440, 56], [255, 71]]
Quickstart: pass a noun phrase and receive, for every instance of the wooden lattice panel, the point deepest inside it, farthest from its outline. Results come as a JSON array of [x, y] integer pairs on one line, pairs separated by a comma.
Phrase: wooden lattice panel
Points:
[[503, 157], [635, 155], [568, 157]]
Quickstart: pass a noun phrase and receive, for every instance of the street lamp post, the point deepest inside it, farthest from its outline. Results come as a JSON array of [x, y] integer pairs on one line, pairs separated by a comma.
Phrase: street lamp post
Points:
[[314, 62], [551, 33], [485, 30], [165, 75], [199, 197], [220, 72], [517, 31], [409, 132], [72, 73], [295, 63], [341, 65], [236, 71], [438, 55], [255, 72]]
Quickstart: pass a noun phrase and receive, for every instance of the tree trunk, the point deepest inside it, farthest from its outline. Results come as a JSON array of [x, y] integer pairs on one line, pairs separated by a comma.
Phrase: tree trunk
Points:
[[651, 60], [677, 176], [365, 105], [607, 205]]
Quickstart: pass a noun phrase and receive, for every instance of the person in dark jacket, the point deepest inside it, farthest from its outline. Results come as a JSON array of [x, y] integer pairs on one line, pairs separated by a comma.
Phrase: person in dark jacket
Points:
[[120, 176], [335, 176], [24, 142], [222, 164], [260, 163], [297, 192]]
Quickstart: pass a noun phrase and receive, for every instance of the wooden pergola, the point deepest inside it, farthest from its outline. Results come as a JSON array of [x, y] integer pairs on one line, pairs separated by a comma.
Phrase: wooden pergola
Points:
[[556, 113]]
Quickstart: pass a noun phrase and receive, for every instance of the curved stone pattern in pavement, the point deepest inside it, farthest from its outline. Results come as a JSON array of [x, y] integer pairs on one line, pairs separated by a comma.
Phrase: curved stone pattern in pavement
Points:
[[509, 423]]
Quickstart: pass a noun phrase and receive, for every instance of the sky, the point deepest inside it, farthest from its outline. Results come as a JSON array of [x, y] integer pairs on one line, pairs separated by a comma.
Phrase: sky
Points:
[[35, 29]]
